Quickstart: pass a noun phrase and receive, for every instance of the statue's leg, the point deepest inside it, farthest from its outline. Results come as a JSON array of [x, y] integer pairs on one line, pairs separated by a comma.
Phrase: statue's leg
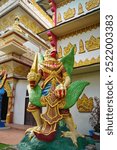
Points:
[[36, 114], [73, 134]]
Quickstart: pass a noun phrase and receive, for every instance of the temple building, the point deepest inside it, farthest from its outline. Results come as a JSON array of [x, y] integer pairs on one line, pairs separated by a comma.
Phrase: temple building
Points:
[[29, 26]]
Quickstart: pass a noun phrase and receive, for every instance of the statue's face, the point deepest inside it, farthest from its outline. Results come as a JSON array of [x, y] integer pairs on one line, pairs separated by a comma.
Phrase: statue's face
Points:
[[50, 54]]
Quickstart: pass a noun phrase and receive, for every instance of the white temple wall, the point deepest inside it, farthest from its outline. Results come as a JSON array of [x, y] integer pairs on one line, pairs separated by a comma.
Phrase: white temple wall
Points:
[[19, 104], [82, 119]]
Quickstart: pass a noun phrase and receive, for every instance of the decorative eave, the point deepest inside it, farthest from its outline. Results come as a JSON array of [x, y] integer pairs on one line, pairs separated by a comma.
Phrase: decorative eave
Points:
[[38, 14], [14, 57], [13, 47], [73, 25], [33, 37], [26, 35], [86, 69]]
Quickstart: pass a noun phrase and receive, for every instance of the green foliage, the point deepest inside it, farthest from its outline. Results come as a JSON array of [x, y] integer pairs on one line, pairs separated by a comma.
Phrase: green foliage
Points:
[[2, 146], [68, 62], [35, 95], [74, 91]]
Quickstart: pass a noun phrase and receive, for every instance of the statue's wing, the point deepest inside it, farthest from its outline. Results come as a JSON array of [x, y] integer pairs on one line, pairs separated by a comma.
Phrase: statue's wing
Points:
[[35, 95], [68, 62], [74, 91]]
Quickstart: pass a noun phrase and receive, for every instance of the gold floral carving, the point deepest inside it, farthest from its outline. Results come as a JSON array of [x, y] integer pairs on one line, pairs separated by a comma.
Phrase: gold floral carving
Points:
[[70, 13], [64, 3], [81, 47], [92, 4], [85, 104], [80, 9], [59, 52], [89, 28], [59, 19], [2, 2], [93, 43], [68, 48], [87, 62]]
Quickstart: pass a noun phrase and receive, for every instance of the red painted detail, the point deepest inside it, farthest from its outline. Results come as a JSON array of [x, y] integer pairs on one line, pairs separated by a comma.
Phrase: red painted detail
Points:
[[46, 138]]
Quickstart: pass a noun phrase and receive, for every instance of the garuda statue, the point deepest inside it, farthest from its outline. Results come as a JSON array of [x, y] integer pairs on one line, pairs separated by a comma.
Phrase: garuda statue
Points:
[[50, 87]]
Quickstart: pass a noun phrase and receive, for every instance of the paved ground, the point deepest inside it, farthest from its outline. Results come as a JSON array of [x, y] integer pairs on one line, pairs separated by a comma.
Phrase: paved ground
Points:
[[13, 135]]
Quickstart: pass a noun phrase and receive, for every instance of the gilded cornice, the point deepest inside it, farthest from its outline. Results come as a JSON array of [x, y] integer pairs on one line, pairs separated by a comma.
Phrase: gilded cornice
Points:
[[87, 62], [70, 13], [89, 28], [92, 4], [64, 3]]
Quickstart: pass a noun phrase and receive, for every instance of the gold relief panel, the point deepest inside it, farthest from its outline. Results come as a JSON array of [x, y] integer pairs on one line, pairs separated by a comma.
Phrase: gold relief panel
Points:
[[85, 104], [59, 52], [7, 66], [81, 47], [80, 9], [59, 19], [70, 13], [68, 48], [7, 21], [30, 24], [92, 4], [21, 70], [93, 43]]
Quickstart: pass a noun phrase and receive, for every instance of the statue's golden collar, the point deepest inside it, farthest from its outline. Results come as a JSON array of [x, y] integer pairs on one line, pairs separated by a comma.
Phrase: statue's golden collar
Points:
[[51, 64]]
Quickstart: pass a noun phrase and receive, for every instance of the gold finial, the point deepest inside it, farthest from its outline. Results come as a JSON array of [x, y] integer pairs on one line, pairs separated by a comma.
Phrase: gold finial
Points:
[[34, 67]]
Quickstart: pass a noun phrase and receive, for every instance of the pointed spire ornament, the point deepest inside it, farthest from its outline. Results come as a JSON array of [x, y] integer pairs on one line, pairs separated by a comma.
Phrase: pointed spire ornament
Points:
[[34, 67]]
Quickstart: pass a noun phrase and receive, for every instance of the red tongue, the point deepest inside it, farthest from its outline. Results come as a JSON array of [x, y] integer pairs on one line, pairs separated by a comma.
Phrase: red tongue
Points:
[[53, 54]]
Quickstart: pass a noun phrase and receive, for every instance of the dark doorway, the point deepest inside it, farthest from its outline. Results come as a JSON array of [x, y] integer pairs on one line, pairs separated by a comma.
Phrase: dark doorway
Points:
[[4, 107], [29, 120]]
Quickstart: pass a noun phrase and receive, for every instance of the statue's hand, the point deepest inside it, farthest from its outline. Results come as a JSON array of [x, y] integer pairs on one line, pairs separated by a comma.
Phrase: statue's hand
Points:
[[33, 78], [60, 91]]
